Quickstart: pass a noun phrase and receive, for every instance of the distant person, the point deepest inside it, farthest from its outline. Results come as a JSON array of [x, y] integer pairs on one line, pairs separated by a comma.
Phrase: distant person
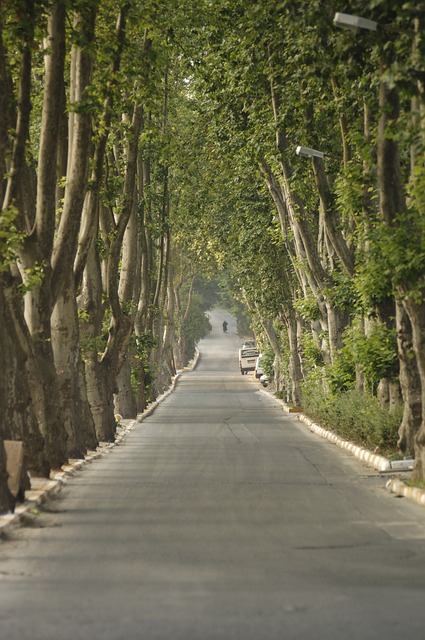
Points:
[[225, 326]]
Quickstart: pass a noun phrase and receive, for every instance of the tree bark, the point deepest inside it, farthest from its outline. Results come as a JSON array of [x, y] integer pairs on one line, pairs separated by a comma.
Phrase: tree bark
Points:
[[65, 334], [78, 421], [90, 218], [54, 61], [22, 404], [90, 303], [129, 293], [295, 371], [416, 312], [17, 421], [330, 217], [272, 337], [66, 241], [125, 402]]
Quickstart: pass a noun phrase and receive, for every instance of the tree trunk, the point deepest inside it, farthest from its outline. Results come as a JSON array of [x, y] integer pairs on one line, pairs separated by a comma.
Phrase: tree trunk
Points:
[[90, 302], [122, 321], [181, 354], [100, 396], [337, 322], [89, 428], [90, 218], [125, 402], [169, 333], [331, 218], [7, 502], [17, 421], [143, 318], [416, 312], [295, 373], [21, 414], [129, 294], [66, 351], [79, 142], [54, 61], [270, 331]]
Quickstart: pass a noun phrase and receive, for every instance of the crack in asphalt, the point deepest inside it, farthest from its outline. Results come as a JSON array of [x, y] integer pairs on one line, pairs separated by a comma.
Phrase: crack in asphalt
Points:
[[231, 430]]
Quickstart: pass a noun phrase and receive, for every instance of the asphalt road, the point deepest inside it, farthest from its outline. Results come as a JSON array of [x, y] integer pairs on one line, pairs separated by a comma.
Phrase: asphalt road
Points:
[[220, 517]]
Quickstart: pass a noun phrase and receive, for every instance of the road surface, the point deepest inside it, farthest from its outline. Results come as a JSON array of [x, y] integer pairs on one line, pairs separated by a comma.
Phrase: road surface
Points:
[[220, 517]]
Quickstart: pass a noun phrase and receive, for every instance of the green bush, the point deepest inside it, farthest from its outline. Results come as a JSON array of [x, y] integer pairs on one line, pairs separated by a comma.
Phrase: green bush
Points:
[[354, 415], [374, 355]]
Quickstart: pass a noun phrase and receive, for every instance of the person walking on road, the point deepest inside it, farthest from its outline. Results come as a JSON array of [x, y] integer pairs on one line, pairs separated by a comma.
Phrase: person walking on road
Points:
[[225, 326]]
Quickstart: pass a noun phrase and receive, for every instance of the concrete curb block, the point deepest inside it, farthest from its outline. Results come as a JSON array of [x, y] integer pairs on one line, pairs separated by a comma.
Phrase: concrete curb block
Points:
[[399, 488], [44, 488]]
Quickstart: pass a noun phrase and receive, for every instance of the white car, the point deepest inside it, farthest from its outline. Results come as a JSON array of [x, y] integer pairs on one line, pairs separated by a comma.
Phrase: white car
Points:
[[258, 372], [264, 380], [247, 359]]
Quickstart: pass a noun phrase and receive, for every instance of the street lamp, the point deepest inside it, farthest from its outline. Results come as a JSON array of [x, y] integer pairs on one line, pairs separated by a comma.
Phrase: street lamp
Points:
[[310, 153], [347, 21]]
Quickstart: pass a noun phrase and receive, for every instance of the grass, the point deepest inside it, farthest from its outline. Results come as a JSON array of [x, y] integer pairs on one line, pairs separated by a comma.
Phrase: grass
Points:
[[418, 484]]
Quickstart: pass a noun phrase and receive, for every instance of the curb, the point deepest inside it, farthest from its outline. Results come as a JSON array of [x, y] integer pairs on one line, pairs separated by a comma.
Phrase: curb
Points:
[[402, 490], [44, 488]]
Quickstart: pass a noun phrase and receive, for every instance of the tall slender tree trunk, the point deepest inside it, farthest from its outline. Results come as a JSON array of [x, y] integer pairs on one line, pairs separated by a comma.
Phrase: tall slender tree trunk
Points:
[[143, 319], [125, 401], [99, 396], [410, 383], [295, 372], [272, 337], [416, 312], [77, 417], [65, 333], [6, 498], [129, 293]]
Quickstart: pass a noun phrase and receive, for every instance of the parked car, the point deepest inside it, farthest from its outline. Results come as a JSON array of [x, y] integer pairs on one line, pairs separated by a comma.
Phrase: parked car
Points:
[[248, 344], [258, 371], [247, 359], [264, 380]]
